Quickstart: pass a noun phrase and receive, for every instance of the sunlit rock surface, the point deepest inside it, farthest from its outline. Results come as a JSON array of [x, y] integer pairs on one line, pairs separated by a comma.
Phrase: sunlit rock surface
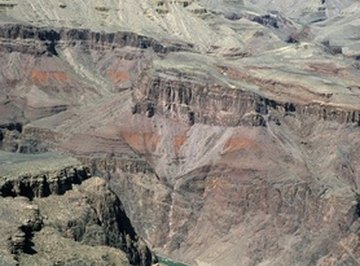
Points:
[[228, 130]]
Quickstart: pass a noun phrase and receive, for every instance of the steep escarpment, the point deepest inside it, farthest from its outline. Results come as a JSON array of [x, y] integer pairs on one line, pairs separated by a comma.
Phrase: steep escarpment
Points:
[[202, 186], [30, 40], [225, 132], [95, 218], [271, 214], [38, 41], [45, 78], [195, 102], [30, 176], [279, 186], [41, 196], [181, 97]]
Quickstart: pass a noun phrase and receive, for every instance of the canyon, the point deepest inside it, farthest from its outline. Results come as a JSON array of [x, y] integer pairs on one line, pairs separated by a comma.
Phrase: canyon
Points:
[[211, 132]]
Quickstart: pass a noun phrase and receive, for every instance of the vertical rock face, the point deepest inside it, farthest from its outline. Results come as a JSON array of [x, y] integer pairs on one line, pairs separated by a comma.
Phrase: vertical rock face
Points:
[[193, 102], [47, 40], [96, 218], [190, 101], [225, 132], [48, 199]]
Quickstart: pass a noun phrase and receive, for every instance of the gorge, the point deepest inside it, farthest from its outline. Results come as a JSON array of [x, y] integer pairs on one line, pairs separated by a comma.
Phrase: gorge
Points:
[[211, 132]]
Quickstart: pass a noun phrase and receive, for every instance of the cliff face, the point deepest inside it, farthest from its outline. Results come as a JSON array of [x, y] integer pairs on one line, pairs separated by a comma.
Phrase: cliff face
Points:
[[193, 102], [223, 135], [38, 41], [178, 97], [45, 209]]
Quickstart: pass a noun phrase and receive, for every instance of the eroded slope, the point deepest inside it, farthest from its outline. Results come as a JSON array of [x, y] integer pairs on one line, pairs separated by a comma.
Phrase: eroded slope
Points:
[[49, 218], [229, 132]]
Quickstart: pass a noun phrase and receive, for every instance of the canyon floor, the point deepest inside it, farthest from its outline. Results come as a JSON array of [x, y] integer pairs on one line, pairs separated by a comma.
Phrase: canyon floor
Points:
[[211, 132]]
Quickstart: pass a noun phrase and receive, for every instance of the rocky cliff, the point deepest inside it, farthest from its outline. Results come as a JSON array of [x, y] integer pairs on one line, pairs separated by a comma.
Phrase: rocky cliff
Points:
[[51, 215], [181, 97], [224, 132], [37, 41]]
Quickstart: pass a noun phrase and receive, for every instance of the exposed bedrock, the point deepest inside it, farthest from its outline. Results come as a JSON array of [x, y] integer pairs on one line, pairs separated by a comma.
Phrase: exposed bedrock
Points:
[[244, 212], [224, 187], [43, 184], [132, 179], [20, 220], [39, 41], [9, 135], [85, 226], [238, 148], [284, 211], [62, 200], [192, 102], [100, 220], [110, 165], [195, 102], [265, 213]]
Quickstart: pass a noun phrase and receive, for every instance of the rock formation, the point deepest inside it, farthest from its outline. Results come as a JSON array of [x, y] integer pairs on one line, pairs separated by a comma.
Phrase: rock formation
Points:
[[225, 132], [53, 212]]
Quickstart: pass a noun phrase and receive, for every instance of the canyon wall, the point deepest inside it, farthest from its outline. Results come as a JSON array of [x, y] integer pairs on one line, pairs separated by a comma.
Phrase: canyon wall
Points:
[[219, 137]]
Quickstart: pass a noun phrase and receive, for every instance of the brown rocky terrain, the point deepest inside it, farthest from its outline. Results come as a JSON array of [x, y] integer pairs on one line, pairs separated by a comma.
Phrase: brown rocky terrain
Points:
[[54, 213], [225, 132]]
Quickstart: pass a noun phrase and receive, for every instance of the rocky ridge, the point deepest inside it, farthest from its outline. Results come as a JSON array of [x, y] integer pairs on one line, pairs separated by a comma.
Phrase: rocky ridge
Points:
[[46, 211], [228, 130]]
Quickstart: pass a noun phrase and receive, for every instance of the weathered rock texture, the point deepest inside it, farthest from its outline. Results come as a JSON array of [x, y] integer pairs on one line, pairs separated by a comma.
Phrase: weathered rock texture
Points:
[[228, 131], [49, 218], [92, 215]]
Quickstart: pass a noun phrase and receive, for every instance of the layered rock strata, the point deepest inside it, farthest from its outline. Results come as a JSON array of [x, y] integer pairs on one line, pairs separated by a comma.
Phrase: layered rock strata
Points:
[[227, 131], [48, 217]]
